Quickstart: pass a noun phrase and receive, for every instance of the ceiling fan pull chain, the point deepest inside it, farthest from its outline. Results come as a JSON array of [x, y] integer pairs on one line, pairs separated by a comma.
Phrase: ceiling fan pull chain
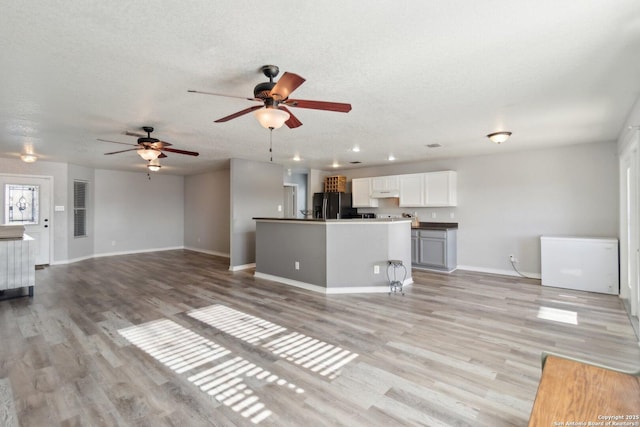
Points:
[[271, 144]]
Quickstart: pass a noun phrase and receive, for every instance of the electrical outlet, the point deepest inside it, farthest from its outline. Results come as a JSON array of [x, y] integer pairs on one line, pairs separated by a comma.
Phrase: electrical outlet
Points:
[[297, 265], [376, 269], [433, 215]]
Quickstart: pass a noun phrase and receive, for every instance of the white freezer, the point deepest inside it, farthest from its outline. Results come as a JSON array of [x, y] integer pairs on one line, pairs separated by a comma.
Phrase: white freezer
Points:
[[581, 263]]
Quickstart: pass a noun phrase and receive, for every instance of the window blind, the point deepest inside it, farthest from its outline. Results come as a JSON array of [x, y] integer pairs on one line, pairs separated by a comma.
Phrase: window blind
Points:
[[79, 208]]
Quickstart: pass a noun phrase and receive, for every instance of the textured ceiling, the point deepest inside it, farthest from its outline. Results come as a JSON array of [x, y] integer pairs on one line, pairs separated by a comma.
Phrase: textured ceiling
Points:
[[416, 73]]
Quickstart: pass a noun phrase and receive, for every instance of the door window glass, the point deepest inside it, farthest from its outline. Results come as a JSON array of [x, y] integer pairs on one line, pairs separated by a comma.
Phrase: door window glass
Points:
[[21, 204]]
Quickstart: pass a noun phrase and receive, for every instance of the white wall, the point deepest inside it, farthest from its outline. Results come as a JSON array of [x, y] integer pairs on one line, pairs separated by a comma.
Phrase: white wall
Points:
[[507, 201], [256, 191], [134, 213], [206, 216]]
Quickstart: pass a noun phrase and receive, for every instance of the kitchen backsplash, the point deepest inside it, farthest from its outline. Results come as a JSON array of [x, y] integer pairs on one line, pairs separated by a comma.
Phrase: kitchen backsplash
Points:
[[388, 208]]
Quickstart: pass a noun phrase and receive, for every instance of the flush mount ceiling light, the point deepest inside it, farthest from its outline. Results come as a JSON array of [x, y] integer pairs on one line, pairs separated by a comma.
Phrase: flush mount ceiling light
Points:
[[148, 153], [499, 137], [271, 118], [28, 158]]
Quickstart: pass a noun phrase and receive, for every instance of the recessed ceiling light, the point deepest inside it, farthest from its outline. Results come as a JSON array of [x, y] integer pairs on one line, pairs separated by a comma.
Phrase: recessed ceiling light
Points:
[[296, 158], [355, 149], [391, 157], [434, 145], [28, 158], [355, 162], [335, 164]]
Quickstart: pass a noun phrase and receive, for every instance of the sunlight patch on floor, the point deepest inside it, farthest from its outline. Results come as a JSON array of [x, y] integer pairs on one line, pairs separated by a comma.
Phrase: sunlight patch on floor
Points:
[[182, 350], [310, 353], [236, 323], [558, 315]]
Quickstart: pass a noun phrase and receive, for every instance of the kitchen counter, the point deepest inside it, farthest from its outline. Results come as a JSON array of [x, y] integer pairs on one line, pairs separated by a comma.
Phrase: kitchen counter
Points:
[[342, 220], [332, 256], [436, 226], [434, 246]]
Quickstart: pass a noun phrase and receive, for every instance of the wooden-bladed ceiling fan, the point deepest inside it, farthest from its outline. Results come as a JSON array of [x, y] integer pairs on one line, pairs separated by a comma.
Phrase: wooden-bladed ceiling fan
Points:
[[275, 95], [147, 143]]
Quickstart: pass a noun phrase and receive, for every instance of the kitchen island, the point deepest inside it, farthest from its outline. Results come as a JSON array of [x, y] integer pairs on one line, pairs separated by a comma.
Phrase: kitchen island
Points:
[[333, 256]]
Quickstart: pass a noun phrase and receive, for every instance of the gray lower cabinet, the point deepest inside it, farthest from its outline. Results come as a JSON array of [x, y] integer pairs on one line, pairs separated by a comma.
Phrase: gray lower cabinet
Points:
[[434, 249], [415, 248]]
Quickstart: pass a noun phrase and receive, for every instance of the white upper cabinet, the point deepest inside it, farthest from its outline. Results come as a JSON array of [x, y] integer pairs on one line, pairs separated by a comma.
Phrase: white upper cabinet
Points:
[[412, 190], [385, 183], [432, 189], [440, 188], [361, 193]]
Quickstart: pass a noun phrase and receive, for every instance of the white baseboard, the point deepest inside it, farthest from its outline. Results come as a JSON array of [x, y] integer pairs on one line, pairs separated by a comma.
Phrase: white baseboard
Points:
[[71, 261], [108, 254], [498, 271], [140, 251], [331, 290], [242, 267], [208, 252]]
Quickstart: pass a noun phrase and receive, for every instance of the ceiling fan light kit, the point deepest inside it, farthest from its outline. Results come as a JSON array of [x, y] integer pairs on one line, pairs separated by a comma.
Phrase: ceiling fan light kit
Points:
[[499, 137], [271, 118], [153, 167], [148, 153], [28, 158]]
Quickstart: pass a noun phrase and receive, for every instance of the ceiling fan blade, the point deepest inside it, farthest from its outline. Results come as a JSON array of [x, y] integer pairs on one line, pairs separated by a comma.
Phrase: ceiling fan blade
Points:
[[162, 156], [123, 151], [138, 135], [238, 114], [319, 105], [222, 94], [175, 150], [293, 121], [117, 142], [287, 84]]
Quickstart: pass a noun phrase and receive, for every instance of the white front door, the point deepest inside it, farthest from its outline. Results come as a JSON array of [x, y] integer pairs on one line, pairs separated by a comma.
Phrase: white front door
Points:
[[27, 201]]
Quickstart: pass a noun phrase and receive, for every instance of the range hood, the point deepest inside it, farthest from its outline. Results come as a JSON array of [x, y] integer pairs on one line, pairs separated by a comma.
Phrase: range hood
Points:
[[383, 194]]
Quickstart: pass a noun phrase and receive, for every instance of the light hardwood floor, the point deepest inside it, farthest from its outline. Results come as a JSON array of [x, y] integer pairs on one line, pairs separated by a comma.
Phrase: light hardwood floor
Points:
[[173, 338]]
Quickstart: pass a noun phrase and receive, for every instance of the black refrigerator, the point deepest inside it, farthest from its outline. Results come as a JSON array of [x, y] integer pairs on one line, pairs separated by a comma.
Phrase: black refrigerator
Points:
[[332, 206]]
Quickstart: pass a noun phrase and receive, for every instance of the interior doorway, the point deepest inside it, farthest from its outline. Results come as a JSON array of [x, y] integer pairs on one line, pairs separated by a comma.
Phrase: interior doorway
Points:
[[630, 233], [290, 201], [27, 201]]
